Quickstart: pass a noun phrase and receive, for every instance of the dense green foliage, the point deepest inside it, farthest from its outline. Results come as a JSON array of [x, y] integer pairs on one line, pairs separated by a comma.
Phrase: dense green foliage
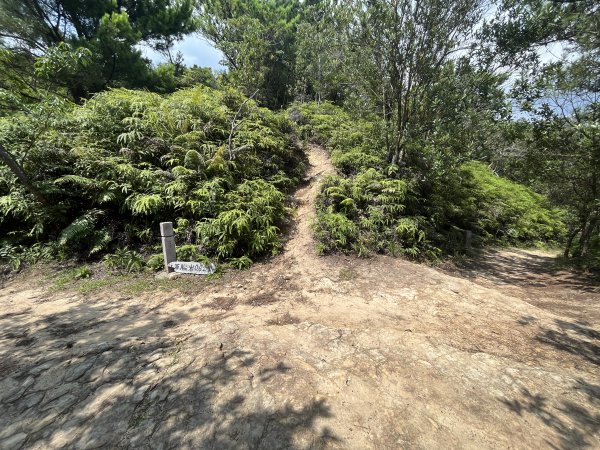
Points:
[[443, 118], [367, 208], [366, 213], [557, 150], [110, 170], [355, 144], [501, 210], [257, 38], [85, 46]]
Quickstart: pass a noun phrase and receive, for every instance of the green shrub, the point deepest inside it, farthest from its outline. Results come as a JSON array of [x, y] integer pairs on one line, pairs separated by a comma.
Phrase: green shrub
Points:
[[156, 262], [366, 214], [248, 223], [335, 231], [506, 212], [189, 252], [116, 166], [241, 263], [421, 208], [354, 161], [592, 260], [124, 260], [355, 144], [318, 122], [83, 272], [20, 256]]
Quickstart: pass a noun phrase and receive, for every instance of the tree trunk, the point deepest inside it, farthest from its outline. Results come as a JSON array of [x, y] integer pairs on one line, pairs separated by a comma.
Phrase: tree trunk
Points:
[[78, 93], [586, 235], [8, 159], [570, 240], [397, 152]]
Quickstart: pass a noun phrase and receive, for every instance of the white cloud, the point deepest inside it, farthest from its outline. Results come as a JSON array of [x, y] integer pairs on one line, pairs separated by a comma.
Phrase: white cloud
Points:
[[195, 50]]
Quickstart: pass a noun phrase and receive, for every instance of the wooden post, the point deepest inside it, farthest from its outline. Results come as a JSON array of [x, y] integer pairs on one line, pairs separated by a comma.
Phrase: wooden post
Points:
[[168, 244]]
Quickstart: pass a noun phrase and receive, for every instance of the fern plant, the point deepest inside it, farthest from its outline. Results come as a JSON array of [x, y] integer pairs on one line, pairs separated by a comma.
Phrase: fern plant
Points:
[[81, 228], [417, 209], [124, 260], [125, 160]]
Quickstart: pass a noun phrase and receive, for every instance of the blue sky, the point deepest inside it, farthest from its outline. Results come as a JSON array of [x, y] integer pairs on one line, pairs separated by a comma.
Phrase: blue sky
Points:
[[195, 49]]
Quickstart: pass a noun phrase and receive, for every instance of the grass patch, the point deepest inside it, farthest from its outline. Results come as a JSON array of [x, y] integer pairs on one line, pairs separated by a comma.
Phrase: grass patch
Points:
[[65, 278], [88, 280], [95, 285], [347, 274]]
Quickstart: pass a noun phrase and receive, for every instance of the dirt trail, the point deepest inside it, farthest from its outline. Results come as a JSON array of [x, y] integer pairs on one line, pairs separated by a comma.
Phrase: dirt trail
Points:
[[301, 244], [307, 352]]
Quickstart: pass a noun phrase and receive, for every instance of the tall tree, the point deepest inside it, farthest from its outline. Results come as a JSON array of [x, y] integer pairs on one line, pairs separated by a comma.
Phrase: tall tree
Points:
[[403, 45], [109, 29], [560, 97], [257, 39], [321, 51]]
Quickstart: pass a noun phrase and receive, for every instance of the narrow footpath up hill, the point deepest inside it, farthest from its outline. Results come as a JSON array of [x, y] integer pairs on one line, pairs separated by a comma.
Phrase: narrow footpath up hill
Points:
[[306, 352]]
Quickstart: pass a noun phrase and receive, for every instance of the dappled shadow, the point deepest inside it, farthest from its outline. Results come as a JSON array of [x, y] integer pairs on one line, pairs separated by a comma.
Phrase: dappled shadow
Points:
[[14, 314], [75, 380], [526, 269], [102, 375], [581, 328], [536, 278], [592, 391], [574, 424], [268, 372], [272, 429], [576, 338], [526, 320], [213, 404]]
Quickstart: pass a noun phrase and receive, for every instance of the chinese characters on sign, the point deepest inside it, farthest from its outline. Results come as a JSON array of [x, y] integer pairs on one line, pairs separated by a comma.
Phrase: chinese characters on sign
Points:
[[193, 267]]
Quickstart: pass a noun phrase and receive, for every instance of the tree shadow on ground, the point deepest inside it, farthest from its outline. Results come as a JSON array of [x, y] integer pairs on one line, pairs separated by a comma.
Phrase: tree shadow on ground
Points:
[[574, 424], [102, 375], [577, 338], [527, 270]]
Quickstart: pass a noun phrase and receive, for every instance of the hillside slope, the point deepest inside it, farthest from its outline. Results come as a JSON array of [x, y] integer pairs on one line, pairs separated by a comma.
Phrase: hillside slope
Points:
[[306, 352]]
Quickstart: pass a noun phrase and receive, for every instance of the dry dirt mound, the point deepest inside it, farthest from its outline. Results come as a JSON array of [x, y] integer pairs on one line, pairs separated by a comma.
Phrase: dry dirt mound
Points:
[[304, 352]]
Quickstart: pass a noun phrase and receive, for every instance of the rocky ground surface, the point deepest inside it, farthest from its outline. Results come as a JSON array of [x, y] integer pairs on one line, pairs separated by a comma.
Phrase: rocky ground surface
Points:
[[309, 352]]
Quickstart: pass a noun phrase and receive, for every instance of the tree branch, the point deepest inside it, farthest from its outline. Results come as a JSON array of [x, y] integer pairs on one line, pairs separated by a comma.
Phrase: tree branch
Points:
[[8, 159], [234, 126]]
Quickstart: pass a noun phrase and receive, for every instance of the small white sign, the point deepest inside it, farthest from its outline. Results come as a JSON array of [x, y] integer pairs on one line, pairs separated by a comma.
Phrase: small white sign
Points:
[[193, 267]]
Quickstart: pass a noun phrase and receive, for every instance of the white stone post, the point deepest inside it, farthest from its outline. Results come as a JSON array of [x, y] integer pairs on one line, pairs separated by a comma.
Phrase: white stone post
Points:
[[168, 244], [468, 238]]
